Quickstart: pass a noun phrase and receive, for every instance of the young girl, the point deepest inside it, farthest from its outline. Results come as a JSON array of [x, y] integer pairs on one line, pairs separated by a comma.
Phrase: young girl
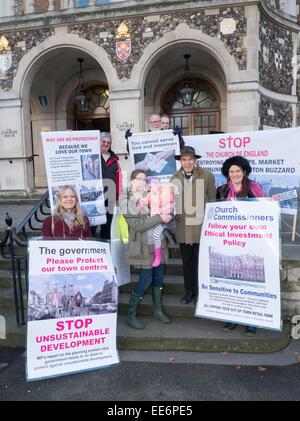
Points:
[[160, 200], [139, 250]]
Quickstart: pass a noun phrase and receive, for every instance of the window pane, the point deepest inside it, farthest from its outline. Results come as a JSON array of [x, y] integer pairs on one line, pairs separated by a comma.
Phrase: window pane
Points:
[[177, 122], [205, 120], [197, 121], [198, 130], [212, 120], [82, 3], [185, 121]]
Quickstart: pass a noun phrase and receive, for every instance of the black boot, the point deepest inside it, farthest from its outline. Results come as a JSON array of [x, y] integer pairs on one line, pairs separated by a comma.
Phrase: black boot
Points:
[[157, 306], [133, 306]]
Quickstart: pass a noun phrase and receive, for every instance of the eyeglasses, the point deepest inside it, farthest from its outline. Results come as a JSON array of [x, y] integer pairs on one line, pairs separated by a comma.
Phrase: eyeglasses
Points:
[[155, 121], [140, 179]]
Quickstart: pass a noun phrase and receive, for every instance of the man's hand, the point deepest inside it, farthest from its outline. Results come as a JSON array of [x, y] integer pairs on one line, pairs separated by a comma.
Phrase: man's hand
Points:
[[128, 133], [176, 131]]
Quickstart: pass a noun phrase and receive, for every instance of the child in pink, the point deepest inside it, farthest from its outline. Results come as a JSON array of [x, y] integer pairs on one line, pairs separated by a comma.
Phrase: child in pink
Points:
[[160, 200]]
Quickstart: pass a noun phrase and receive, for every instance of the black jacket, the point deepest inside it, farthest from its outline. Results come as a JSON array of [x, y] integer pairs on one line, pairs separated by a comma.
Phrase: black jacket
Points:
[[111, 170]]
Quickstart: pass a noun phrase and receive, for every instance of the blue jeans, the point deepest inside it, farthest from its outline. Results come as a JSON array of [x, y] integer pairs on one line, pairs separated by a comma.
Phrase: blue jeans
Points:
[[147, 277]]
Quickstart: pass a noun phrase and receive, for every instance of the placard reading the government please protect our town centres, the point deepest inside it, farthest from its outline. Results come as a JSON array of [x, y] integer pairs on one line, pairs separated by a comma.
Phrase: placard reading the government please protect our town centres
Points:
[[72, 308]]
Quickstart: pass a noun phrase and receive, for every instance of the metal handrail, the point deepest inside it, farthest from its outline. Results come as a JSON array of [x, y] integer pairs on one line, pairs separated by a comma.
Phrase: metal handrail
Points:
[[17, 236], [11, 158]]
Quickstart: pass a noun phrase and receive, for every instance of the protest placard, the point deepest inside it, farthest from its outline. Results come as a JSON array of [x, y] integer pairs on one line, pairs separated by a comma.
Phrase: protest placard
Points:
[[73, 159], [154, 152], [239, 263], [271, 153], [72, 308]]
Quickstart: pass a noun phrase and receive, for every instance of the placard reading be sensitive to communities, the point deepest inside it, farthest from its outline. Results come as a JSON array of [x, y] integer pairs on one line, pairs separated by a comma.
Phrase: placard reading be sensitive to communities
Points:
[[239, 263]]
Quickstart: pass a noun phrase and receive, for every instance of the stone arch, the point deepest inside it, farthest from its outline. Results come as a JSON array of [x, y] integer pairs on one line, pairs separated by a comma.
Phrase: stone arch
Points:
[[29, 64], [227, 69], [28, 70], [183, 34]]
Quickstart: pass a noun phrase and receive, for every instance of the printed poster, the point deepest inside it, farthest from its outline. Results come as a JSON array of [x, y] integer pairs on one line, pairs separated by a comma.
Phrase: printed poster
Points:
[[154, 152], [72, 308], [272, 156], [239, 279], [73, 159]]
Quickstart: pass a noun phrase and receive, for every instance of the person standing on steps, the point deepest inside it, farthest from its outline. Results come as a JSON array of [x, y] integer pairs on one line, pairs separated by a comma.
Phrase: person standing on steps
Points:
[[112, 181], [195, 186], [236, 170], [140, 249], [68, 219], [156, 123]]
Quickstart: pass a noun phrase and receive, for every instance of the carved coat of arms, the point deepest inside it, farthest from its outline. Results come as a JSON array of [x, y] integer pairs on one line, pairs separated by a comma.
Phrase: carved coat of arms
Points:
[[5, 55], [123, 45]]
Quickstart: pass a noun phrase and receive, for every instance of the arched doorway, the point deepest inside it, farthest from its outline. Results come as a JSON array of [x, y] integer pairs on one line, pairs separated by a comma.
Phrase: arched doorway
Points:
[[52, 100], [97, 115], [203, 113]]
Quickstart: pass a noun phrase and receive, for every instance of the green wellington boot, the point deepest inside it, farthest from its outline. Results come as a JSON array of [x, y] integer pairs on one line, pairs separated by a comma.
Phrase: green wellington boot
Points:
[[133, 306], [157, 305]]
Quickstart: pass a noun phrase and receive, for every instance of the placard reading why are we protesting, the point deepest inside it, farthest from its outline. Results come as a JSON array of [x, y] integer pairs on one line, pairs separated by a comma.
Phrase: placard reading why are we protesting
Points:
[[154, 152], [273, 156], [73, 159], [239, 263], [72, 308]]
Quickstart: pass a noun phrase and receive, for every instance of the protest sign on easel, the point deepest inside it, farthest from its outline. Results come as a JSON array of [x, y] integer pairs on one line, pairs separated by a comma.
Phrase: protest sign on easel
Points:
[[72, 308]]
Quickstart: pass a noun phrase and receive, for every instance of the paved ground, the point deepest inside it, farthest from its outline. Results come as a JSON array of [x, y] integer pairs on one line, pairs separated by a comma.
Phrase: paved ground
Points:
[[207, 377]]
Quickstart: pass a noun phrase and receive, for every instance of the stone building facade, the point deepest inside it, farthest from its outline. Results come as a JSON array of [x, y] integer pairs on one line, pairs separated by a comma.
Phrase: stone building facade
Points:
[[243, 66]]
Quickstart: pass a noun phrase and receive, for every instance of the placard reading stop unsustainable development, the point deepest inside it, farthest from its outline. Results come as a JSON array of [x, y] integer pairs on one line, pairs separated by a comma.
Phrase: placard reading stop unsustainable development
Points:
[[72, 308], [239, 263]]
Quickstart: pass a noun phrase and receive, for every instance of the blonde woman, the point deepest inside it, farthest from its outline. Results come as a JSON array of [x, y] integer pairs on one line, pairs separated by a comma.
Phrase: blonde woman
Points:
[[68, 219]]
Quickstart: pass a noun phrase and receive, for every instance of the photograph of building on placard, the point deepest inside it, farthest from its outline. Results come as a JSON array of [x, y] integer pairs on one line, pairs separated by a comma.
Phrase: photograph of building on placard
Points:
[[247, 269], [72, 295], [90, 166]]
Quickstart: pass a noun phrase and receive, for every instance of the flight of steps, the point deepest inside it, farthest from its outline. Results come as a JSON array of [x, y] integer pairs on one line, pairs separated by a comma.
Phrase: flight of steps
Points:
[[185, 333]]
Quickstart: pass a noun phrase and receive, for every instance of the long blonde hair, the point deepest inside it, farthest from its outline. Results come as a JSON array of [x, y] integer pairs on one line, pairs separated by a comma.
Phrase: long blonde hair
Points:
[[80, 219]]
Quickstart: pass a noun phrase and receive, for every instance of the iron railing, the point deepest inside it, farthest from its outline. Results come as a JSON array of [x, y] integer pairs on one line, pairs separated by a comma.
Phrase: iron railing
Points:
[[13, 247]]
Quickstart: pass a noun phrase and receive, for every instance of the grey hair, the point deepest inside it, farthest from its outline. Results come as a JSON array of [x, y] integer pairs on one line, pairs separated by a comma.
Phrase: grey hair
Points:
[[105, 134]]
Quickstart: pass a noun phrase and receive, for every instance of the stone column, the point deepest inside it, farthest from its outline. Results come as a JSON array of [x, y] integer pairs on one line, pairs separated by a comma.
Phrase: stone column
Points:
[[16, 175], [243, 103], [125, 113]]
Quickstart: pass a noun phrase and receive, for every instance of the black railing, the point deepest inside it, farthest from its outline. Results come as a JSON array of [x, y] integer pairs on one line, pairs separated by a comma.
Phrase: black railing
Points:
[[13, 247]]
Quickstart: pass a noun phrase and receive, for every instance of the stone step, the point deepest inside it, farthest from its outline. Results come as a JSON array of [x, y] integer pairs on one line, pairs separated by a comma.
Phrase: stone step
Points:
[[7, 300], [197, 335], [171, 304], [15, 336], [194, 335], [6, 280]]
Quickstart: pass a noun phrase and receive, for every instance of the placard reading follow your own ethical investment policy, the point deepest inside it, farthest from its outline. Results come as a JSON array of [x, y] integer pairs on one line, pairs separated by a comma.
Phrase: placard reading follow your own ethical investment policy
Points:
[[239, 278]]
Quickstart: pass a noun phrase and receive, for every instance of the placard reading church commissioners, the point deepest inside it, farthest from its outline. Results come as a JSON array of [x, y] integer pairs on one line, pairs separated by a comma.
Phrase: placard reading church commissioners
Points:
[[154, 152], [239, 263], [72, 308], [73, 159]]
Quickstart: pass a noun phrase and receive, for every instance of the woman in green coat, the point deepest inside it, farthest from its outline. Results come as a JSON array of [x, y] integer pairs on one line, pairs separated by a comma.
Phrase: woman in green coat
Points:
[[140, 249]]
